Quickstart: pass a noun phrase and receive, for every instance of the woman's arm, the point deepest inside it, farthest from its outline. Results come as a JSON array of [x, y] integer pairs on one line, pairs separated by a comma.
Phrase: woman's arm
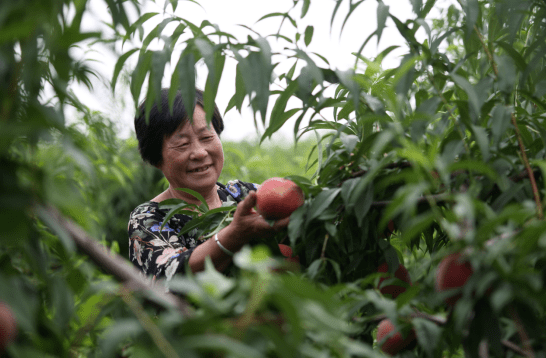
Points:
[[246, 225]]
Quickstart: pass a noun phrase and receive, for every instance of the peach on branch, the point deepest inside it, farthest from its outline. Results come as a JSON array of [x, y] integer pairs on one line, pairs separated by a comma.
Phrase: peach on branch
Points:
[[401, 273], [453, 272], [277, 198], [390, 340], [286, 251], [8, 326]]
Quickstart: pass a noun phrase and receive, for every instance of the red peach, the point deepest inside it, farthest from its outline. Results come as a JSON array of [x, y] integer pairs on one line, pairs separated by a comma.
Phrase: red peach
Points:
[[8, 326], [401, 273], [395, 342], [286, 251], [277, 198], [453, 272]]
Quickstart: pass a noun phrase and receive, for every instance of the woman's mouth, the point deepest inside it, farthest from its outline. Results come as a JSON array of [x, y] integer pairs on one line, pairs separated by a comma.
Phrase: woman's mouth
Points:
[[200, 169]]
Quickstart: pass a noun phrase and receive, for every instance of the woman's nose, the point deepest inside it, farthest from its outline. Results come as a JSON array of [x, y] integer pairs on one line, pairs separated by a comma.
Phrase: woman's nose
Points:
[[199, 151]]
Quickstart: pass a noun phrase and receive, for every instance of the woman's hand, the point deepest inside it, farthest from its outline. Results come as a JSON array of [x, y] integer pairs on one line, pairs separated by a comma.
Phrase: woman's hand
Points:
[[247, 224]]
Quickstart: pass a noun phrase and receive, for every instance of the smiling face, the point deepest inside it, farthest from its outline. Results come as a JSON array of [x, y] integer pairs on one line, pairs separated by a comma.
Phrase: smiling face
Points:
[[192, 156]]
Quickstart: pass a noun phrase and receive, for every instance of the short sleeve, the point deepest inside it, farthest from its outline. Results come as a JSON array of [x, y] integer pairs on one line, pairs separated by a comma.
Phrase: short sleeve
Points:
[[239, 189], [159, 253]]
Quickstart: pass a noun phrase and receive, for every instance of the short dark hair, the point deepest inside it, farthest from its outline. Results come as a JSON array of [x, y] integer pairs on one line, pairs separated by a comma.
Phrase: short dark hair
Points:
[[162, 123]]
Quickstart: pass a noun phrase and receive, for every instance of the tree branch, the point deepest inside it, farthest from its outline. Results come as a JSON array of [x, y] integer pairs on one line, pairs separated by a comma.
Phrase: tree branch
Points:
[[111, 263]]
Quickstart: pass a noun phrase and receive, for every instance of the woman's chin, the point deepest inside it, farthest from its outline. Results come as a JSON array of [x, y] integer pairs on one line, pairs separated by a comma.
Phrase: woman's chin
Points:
[[204, 179]]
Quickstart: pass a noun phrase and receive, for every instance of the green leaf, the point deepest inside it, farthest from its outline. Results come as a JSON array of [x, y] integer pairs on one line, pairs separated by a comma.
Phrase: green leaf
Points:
[[382, 13], [346, 192], [428, 334], [211, 87], [308, 35], [321, 202], [141, 20], [186, 73], [500, 121], [483, 141], [295, 226], [472, 10], [515, 55], [363, 204], [473, 97], [507, 73], [352, 7], [336, 268], [60, 231], [474, 165], [336, 8], [272, 128], [305, 8], [159, 60], [178, 209], [273, 14], [155, 33], [139, 74], [278, 113], [349, 142], [196, 195], [117, 333]]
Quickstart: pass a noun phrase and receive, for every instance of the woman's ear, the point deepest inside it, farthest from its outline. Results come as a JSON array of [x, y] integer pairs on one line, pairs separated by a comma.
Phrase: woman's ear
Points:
[[159, 165]]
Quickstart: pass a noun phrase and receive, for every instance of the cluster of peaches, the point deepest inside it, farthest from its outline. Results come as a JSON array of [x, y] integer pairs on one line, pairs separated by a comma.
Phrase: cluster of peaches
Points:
[[452, 273]]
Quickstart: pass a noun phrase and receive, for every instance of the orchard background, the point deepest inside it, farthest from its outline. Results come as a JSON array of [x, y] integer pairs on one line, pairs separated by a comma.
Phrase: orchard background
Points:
[[449, 147]]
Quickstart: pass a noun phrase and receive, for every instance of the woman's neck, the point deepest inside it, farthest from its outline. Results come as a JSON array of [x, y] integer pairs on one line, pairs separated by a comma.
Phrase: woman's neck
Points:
[[211, 197]]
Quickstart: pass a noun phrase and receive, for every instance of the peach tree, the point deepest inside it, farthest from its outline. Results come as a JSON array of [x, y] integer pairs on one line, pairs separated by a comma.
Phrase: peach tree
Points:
[[440, 157]]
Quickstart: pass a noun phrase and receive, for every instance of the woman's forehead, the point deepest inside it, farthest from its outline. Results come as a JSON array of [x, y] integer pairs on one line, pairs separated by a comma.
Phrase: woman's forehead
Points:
[[198, 127]]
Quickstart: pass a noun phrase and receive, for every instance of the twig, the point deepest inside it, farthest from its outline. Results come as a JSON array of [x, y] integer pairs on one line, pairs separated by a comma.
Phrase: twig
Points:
[[530, 173], [322, 254], [111, 263], [437, 197], [155, 333], [487, 52], [400, 165], [514, 348], [483, 349], [525, 341], [438, 320]]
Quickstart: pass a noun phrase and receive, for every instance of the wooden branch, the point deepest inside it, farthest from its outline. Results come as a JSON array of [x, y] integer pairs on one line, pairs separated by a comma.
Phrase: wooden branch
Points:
[[113, 264]]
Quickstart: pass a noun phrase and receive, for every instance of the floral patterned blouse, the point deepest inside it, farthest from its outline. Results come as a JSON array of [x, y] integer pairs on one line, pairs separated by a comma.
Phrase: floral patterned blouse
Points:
[[161, 254]]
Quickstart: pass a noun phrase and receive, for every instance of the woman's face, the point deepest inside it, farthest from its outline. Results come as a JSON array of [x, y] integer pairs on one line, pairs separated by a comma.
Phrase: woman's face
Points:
[[192, 156]]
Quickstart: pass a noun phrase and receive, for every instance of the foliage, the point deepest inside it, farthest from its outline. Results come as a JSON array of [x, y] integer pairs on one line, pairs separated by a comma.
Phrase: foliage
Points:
[[449, 146]]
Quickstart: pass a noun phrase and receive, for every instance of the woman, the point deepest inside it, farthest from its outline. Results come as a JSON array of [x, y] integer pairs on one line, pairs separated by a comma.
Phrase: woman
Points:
[[190, 156]]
